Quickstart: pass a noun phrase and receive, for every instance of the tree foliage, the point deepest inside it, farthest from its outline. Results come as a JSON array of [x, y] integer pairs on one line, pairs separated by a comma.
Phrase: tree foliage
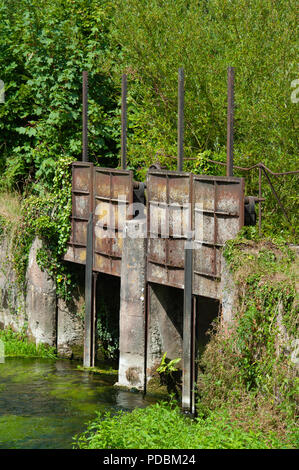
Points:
[[45, 45]]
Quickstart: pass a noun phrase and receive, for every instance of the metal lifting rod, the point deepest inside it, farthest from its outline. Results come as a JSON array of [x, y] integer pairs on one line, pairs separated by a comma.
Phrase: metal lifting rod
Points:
[[85, 117], [88, 357], [124, 122], [230, 121], [188, 332], [180, 120]]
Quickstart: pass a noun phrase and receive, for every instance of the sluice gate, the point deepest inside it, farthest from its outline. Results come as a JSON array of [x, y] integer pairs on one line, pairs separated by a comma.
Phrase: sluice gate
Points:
[[165, 245], [188, 218]]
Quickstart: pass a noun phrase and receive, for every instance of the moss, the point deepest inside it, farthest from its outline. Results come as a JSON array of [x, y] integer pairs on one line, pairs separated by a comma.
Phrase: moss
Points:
[[98, 370], [17, 428], [155, 389], [77, 351]]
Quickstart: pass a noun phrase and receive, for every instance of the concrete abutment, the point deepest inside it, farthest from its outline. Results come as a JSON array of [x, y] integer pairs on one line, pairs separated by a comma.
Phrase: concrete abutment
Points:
[[142, 339]]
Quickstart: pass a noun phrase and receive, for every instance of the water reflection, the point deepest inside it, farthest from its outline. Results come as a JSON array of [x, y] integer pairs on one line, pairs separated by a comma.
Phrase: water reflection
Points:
[[44, 403]]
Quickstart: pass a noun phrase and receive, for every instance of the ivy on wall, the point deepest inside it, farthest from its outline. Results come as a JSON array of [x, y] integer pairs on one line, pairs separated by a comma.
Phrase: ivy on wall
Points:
[[47, 217]]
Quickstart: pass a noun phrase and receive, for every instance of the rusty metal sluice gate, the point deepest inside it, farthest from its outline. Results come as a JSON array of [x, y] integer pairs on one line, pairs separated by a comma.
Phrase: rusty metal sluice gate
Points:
[[106, 193], [212, 207], [188, 219], [204, 211]]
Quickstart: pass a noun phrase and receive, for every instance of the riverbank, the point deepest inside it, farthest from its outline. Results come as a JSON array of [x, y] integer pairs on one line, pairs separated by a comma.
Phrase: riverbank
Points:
[[163, 426]]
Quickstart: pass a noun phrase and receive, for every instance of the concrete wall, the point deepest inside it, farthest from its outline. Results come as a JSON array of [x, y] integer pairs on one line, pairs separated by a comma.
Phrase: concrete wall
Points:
[[229, 294], [12, 299], [165, 325], [40, 301], [70, 315], [35, 306]]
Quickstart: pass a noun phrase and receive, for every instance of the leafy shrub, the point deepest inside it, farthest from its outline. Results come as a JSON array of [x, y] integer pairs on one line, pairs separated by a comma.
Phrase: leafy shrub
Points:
[[162, 426], [44, 47], [257, 37]]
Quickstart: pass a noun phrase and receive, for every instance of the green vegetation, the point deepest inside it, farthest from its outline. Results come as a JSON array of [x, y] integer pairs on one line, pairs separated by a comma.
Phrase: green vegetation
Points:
[[18, 345], [46, 217], [169, 375], [100, 370], [252, 362], [107, 333], [163, 426], [45, 45]]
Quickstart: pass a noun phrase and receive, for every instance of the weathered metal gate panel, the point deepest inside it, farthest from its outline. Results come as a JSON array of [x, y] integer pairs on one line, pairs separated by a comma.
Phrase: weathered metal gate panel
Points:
[[113, 193], [107, 193], [82, 206], [168, 220], [217, 216], [212, 207]]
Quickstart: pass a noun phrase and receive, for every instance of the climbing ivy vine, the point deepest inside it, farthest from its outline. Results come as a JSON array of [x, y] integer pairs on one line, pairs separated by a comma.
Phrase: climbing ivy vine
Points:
[[48, 218]]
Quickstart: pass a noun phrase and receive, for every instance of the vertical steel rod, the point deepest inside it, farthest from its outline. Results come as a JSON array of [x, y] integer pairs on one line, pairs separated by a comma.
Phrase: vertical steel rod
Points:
[[180, 156], [147, 306], [187, 331], [193, 354], [87, 355], [230, 121], [94, 320], [124, 122], [85, 117], [260, 203]]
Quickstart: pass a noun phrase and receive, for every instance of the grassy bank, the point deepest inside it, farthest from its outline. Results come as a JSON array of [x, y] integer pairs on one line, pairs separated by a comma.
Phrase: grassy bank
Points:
[[162, 426], [18, 345]]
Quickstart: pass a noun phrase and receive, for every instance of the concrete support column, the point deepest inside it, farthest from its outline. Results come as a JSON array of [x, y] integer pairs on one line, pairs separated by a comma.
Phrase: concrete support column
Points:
[[70, 328], [131, 372], [229, 295], [40, 301]]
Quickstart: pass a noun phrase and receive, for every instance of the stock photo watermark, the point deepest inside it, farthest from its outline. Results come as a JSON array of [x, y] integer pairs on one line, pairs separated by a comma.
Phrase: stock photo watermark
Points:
[[163, 221]]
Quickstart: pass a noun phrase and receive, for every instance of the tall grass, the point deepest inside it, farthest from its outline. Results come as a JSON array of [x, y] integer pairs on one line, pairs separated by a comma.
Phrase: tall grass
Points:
[[10, 206], [18, 345]]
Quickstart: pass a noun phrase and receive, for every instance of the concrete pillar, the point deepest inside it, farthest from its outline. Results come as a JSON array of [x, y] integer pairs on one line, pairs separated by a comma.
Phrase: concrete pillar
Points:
[[70, 318], [12, 297], [229, 295], [40, 301], [132, 299], [70, 328]]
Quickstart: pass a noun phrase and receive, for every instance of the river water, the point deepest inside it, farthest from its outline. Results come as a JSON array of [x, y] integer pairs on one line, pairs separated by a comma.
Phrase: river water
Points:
[[44, 403]]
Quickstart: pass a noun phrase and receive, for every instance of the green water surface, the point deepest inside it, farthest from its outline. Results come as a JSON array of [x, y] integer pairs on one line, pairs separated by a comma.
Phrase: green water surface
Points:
[[44, 403]]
